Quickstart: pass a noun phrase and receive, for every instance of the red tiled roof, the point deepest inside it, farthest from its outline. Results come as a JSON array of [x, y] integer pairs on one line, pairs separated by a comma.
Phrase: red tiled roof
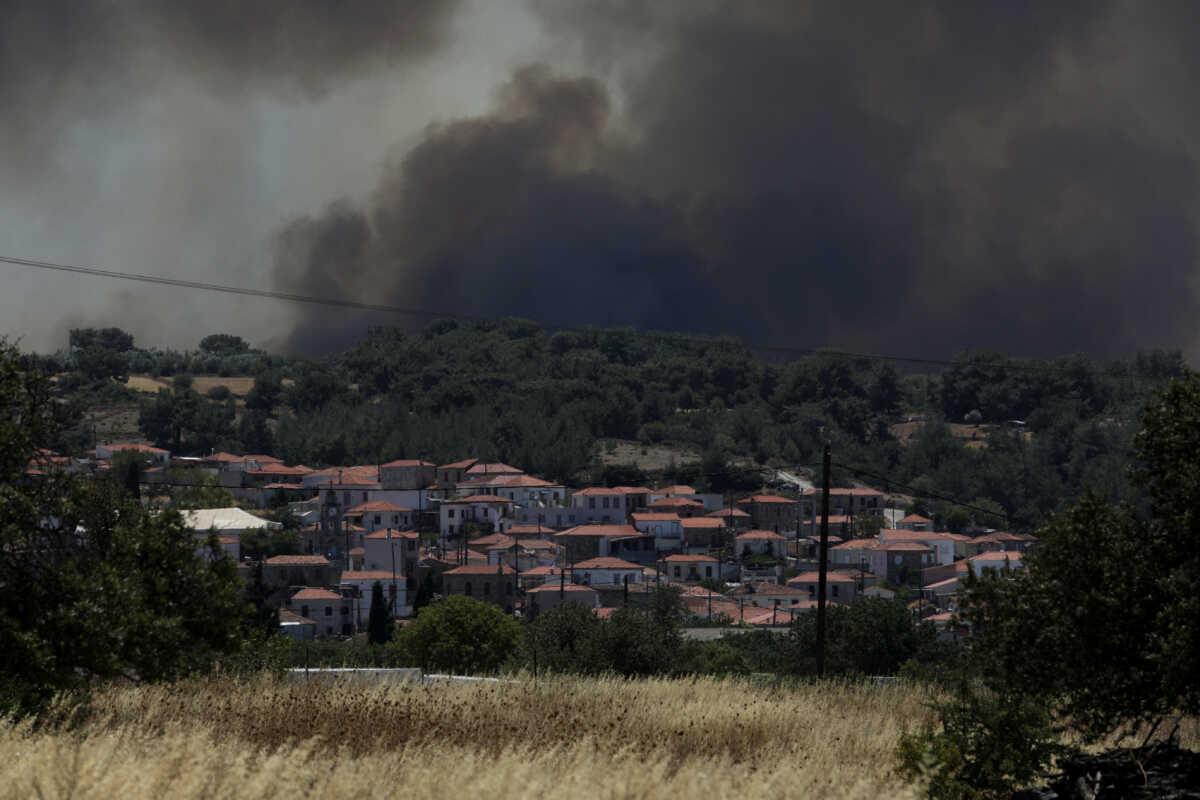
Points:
[[464, 464], [675, 502], [493, 468], [286, 486], [289, 617], [767, 498], [477, 498], [275, 468], [376, 506], [592, 491], [483, 569], [897, 535], [760, 535], [677, 489], [856, 544], [369, 575], [297, 561], [655, 517], [408, 462], [813, 577], [915, 518], [856, 492], [679, 558], [512, 482], [538, 544], [389, 533], [606, 562], [263, 459], [544, 570], [554, 587], [893, 547], [141, 448], [701, 522], [491, 540], [601, 530], [523, 529], [727, 512], [999, 555], [315, 593]]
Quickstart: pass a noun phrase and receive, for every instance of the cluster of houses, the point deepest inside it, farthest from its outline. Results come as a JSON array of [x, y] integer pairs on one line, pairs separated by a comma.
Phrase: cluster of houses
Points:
[[490, 531]]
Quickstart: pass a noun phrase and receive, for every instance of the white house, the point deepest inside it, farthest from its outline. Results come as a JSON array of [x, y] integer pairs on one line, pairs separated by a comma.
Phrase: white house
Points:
[[328, 610], [484, 510], [942, 544], [377, 514], [607, 505], [666, 527], [761, 543], [996, 561], [606, 571], [382, 549], [681, 567]]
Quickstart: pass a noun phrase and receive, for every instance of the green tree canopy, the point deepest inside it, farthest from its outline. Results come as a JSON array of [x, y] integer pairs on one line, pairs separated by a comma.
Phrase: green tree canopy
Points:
[[94, 585], [462, 635]]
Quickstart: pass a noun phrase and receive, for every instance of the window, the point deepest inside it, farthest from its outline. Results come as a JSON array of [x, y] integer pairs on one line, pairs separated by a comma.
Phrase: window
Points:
[[811, 590], [412, 544], [484, 510], [345, 611], [835, 590], [587, 578], [377, 519], [487, 589], [450, 513], [364, 497], [467, 589], [676, 572], [591, 502], [708, 572], [346, 498], [329, 611], [604, 502], [304, 611]]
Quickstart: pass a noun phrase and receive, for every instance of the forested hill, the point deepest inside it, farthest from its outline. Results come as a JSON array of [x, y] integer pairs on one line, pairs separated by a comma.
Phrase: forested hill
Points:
[[511, 391]]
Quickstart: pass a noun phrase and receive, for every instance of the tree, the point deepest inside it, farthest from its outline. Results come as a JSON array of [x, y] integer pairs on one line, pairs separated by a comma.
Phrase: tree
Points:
[[224, 344], [567, 638], [379, 623], [1101, 630], [462, 635], [95, 586], [265, 393]]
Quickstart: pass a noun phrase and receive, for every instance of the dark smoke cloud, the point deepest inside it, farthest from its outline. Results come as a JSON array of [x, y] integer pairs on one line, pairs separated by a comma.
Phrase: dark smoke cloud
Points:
[[63, 60], [918, 176], [513, 212]]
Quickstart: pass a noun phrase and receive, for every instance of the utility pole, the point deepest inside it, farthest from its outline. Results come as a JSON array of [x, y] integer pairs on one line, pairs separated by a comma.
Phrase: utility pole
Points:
[[823, 561]]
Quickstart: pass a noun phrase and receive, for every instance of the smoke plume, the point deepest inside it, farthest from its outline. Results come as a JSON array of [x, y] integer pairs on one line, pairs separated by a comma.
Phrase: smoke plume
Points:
[[921, 177]]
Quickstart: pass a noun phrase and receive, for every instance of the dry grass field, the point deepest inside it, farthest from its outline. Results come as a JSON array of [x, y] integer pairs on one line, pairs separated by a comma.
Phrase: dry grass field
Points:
[[562, 738], [239, 386]]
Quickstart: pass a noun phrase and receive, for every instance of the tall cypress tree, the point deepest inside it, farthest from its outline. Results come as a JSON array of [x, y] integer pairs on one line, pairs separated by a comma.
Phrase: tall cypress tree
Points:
[[379, 624]]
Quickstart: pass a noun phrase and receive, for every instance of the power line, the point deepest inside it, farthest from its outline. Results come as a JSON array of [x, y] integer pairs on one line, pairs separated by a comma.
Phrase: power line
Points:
[[428, 314]]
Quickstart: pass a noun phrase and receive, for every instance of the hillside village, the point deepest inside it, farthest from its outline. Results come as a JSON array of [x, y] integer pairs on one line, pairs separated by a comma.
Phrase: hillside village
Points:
[[495, 533]]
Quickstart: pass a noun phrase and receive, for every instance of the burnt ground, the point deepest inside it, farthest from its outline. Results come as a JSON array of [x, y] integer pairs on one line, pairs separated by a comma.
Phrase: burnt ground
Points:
[[1162, 771]]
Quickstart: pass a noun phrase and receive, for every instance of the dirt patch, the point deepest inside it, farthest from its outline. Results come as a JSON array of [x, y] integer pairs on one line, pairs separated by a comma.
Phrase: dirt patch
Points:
[[972, 435], [239, 386], [114, 423], [648, 458]]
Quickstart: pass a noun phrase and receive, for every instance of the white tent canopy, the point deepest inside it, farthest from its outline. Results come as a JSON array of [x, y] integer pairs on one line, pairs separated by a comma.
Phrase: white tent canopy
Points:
[[228, 521]]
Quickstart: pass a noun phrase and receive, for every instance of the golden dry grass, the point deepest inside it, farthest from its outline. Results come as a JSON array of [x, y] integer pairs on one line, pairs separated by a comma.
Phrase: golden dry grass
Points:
[[564, 738], [239, 386]]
